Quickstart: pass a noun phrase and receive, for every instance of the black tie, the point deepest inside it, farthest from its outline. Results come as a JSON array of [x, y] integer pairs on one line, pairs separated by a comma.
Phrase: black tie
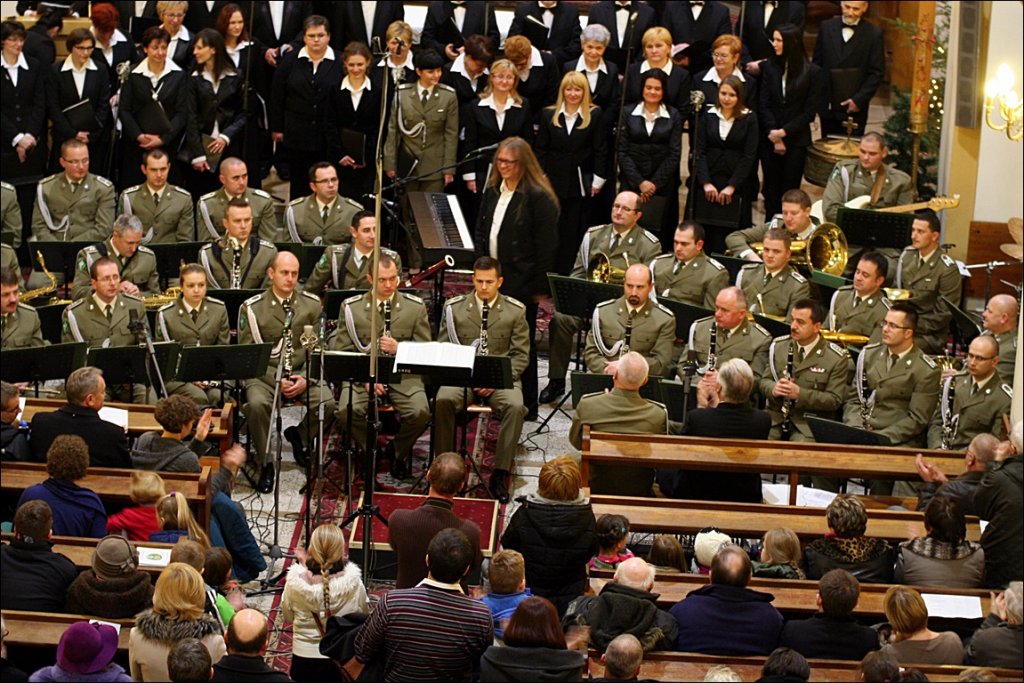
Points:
[[767, 278], [622, 8], [892, 361], [425, 98], [109, 312], [615, 241], [156, 198], [856, 300], [323, 213], [195, 314], [974, 388], [800, 355]]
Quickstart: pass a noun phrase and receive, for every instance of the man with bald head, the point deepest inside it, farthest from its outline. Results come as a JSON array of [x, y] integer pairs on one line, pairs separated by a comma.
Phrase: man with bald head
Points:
[[735, 337], [980, 452], [1000, 321], [262, 319], [622, 659], [212, 207], [246, 641]]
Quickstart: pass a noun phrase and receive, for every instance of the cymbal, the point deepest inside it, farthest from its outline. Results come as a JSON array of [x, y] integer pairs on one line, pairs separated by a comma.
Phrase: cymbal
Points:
[[1014, 249]]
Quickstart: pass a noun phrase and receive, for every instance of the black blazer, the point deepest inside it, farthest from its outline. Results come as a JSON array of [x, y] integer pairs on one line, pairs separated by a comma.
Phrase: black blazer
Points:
[[653, 157], [481, 130], [564, 39], [261, 26], [464, 89], [572, 159], [714, 21], [183, 56], [363, 119], [680, 83], [204, 107], [441, 11], [138, 91], [730, 161], [541, 88], [607, 93], [198, 17], [756, 37], [347, 22], [865, 50], [62, 93], [123, 53], [751, 88], [23, 108], [527, 240], [604, 13], [300, 101], [39, 45], [794, 112], [108, 444]]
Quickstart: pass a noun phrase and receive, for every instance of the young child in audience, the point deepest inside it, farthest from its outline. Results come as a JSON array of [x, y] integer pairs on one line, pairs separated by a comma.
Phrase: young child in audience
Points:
[[667, 555], [705, 545], [780, 555], [176, 521], [194, 555], [612, 536], [507, 576], [139, 522], [217, 575]]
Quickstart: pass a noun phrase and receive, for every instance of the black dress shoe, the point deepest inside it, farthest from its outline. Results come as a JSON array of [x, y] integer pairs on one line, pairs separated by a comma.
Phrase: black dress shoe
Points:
[[552, 392], [266, 482], [498, 488], [298, 450], [531, 414], [399, 469]]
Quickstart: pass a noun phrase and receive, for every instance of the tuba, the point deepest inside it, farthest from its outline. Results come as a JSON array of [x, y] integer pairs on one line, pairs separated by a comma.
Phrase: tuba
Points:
[[825, 249], [600, 269]]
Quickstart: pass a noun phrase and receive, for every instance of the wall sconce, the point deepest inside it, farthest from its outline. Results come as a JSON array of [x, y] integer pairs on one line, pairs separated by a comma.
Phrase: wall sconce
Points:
[[999, 92]]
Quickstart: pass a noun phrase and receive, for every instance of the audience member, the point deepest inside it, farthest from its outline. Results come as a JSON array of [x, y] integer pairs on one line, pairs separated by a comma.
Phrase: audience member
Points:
[[706, 545], [13, 431], [216, 575], [324, 584], [944, 557], [912, 641], [193, 554], [8, 672], [176, 521], [998, 499], [622, 659], [246, 642], [780, 555], [32, 576], [726, 617], [846, 547], [913, 675], [999, 641], [506, 573], [721, 672], [85, 653], [980, 452], [140, 521], [77, 511], [535, 648], [612, 537], [832, 633], [667, 555], [879, 667], [784, 664], [113, 588], [189, 662], [554, 529]]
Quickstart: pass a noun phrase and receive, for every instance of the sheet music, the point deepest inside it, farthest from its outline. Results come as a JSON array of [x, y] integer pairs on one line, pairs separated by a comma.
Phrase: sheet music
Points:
[[435, 354], [778, 494], [118, 416], [953, 606]]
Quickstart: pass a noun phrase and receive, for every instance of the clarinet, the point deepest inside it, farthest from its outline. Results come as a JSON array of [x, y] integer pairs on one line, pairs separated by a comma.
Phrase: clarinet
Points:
[[288, 352], [481, 347], [712, 348], [236, 264], [949, 419], [866, 406], [624, 349], [385, 399], [787, 403]]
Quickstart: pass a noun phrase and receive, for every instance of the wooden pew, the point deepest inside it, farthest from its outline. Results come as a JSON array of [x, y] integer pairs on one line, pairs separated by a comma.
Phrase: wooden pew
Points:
[[765, 457], [114, 483], [751, 520], [79, 550], [43, 629]]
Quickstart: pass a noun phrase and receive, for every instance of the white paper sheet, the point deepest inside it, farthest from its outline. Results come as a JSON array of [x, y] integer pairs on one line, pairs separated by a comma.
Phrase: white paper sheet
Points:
[[778, 494], [154, 557], [435, 354], [953, 606], [118, 416], [117, 626]]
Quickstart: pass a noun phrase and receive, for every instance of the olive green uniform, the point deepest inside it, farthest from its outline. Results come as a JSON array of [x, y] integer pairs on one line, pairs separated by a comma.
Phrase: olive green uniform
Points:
[[850, 180], [172, 219], [930, 280], [337, 268], [1007, 352], [209, 327], [507, 335], [748, 341], [306, 223], [139, 269], [822, 376], [9, 258], [739, 242], [261, 319], [255, 256], [852, 314], [65, 214], [652, 335], [773, 296], [697, 282], [975, 412], [428, 133], [212, 207], [10, 213], [408, 323], [21, 329]]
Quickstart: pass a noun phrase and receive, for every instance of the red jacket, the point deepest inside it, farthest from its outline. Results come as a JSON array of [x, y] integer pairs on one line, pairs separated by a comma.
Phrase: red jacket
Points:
[[139, 522]]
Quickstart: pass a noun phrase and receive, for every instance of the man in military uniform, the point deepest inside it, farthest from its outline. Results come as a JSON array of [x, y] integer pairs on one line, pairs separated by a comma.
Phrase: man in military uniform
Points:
[[20, 321], [324, 216], [623, 242], [234, 179], [1000, 321], [774, 286], [9, 258], [929, 275], [622, 411], [166, 210], [867, 175], [507, 334], [104, 319], [688, 274], [814, 383], [345, 266], [240, 260], [408, 323], [75, 205], [194, 319], [262, 319], [860, 308], [795, 218], [137, 263], [979, 399], [10, 214], [633, 322]]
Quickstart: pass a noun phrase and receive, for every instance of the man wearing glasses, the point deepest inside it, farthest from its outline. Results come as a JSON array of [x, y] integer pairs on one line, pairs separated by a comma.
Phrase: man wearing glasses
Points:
[[75, 205], [323, 217]]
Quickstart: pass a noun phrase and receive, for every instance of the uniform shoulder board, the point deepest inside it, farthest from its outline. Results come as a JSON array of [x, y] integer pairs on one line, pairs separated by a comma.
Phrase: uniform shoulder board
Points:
[[609, 302], [445, 86], [406, 86], [798, 277], [650, 237], [181, 190], [872, 345], [265, 243], [208, 196], [780, 339], [146, 250], [1007, 389], [459, 297], [168, 306], [78, 303], [757, 326], [515, 302], [352, 299], [383, 250], [948, 260], [751, 266], [314, 297], [845, 288], [104, 181], [253, 299], [6, 185], [49, 178], [412, 297], [837, 349], [132, 297], [886, 303], [714, 264], [353, 202], [664, 256], [909, 249], [218, 302], [928, 361], [133, 188], [261, 193], [297, 201], [665, 309], [595, 228], [26, 307]]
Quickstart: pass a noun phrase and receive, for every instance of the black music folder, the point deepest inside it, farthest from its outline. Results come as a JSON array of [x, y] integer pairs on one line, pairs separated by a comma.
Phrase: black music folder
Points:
[[844, 84], [212, 159], [153, 119], [720, 215], [448, 33], [81, 116], [537, 32], [354, 144]]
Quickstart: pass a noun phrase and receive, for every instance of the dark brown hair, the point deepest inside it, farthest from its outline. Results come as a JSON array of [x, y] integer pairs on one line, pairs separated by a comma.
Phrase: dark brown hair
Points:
[[67, 458], [535, 624]]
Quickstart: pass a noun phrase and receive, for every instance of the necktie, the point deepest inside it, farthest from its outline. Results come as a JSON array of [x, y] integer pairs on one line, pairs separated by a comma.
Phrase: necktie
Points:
[[195, 314], [676, 267], [622, 8], [615, 241], [891, 361], [426, 96], [74, 187], [800, 355], [156, 199], [323, 213], [856, 301], [767, 278], [974, 388], [108, 312]]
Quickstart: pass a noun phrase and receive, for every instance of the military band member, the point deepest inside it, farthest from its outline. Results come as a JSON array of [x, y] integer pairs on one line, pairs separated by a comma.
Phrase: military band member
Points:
[[103, 320], [10, 214], [979, 399], [137, 263], [240, 260], [324, 216], [234, 179], [623, 242], [795, 218], [774, 286], [9, 258], [164, 209], [736, 336], [507, 334], [929, 275], [408, 323], [261, 319], [20, 321], [634, 322], [869, 175], [817, 383], [74, 205], [860, 308], [1000, 321], [194, 319], [688, 274], [345, 266]]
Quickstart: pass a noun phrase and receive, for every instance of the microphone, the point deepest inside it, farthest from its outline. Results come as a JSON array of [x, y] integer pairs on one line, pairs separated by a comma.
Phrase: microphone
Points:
[[697, 98], [483, 150], [386, 202], [135, 325], [400, 43]]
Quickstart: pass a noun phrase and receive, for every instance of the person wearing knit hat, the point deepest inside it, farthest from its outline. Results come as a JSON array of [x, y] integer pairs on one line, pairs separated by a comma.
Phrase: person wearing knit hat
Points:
[[114, 588], [706, 544], [85, 653]]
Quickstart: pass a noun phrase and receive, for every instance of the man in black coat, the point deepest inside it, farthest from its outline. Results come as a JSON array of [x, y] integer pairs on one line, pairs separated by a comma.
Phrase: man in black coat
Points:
[[756, 31], [246, 643], [832, 632], [998, 500], [39, 38], [108, 445], [851, 52], [32, 576], [980, 452], [348, 23], [469, 18], [697, 24], [627, 22], [563, 22], [284, 35]]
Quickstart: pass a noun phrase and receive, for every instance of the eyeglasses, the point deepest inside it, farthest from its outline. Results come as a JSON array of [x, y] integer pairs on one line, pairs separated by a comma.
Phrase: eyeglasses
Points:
[[175, 15], [894, 326], [329, 181], [506, 162], [109, 278], [974, 356], [721, 55]]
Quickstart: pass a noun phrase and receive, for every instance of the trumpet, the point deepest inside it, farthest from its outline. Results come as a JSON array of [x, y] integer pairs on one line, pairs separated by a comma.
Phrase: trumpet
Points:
[[787, 403]]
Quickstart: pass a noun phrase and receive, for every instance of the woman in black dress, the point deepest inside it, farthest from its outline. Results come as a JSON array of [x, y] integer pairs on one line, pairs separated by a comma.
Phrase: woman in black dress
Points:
[[246, 53], [77, 80], [357, 115]]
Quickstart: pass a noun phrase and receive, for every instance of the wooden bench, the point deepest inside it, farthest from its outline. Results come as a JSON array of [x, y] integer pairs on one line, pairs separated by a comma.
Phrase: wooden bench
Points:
[[756, 456], [43, 629], [79, 550], [690, 666], [751, 520], [114, 484]]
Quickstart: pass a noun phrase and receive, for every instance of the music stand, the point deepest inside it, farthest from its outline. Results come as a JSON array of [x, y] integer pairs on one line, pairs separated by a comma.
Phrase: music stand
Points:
[[233, 300], [966, 329], [875, 229], [120, 364], [51, 321], [233, 362], [732, 264], [831, 431], [686, 315], [41, 363], [673, 396], [170, 256], [307, 254], [776, 328], [827, 284], [59, 256]]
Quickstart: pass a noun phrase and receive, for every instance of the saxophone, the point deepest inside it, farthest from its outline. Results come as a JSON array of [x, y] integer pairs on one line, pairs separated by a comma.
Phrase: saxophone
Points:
[[624, 349], [288, 350], [481, 346], [787, 403], [712, 348], [236, 263], [33, 293], [950, 420]]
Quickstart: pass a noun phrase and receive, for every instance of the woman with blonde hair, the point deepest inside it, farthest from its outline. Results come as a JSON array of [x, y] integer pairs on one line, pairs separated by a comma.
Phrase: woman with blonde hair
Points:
[[657, 42], [500, 112], [178, 613], [912, 641], [176, 521], [780, 555], [322, 585]]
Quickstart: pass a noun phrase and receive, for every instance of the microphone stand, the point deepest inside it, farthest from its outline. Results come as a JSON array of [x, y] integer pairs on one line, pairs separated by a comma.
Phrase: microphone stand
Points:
[[274, 551], [141, 331], [630, 29], [697, 100]]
